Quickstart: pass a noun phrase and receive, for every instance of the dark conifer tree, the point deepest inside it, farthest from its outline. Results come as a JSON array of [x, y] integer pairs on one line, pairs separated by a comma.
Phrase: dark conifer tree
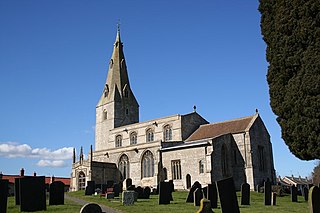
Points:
[[291, 30]]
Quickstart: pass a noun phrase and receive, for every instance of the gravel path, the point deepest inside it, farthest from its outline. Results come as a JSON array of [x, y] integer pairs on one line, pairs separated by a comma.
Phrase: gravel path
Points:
[[104, 208]]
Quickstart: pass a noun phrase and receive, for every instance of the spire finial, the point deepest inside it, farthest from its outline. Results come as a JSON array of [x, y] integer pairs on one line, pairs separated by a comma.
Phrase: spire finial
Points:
[[194, 108], [118, 26]]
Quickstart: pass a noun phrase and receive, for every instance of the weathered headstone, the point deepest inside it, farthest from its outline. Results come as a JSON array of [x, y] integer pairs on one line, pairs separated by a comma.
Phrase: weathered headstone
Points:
[[116, 189], [305, 192], [267, 193], [213, 195], [245, 194], [90, 188], [228, 196], [205, 206], [314, 197], [190, 198], [56, 193], [91, 208], [294, 194], [139, 190], [131, 187], [4, 195], [205, 192], [126, 183], [197, 195], [274, 199], [17, 190], [128, 197], [146, 192], [32, 194], [164, 192]]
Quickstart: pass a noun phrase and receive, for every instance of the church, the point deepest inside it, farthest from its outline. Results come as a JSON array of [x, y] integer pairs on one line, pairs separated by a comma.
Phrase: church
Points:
[[183, 148]]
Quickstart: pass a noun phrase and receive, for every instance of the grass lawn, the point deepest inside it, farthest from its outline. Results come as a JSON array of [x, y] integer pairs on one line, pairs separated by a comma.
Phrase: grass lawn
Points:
[[179, 205], [69, 207]]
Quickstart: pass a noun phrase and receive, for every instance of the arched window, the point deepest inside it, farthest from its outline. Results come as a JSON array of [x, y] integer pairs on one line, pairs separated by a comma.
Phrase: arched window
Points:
[[201, 167], [147, 165], [133, 138], [224, 161], [167, 133], [124, 167], [106, 91], [81, 181], [149, 135], [118, 141], [105, 114]]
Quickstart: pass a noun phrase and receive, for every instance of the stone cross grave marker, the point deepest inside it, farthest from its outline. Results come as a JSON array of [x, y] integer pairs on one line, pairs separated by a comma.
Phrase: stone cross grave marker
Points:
[[197, 195], [245, 194], [128, 197], [228, 196], [91, 208], [164, 193], [267, 193], [190, 198], [3, 195], [294, 194], [213, 195], [314, 197], [56, 193]]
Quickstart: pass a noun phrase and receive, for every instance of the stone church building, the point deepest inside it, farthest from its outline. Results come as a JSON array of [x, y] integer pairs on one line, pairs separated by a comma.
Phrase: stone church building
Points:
[[183, 148]]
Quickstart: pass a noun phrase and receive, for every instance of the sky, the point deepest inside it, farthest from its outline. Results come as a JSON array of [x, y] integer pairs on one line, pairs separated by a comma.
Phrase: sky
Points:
[[54, 60]]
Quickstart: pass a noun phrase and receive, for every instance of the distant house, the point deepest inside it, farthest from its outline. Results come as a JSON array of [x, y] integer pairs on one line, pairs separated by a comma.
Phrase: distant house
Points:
[[48, 180], [299, 182]]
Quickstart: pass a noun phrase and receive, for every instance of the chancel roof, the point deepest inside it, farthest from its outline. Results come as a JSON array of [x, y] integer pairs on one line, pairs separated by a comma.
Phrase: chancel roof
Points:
[[217, 129]]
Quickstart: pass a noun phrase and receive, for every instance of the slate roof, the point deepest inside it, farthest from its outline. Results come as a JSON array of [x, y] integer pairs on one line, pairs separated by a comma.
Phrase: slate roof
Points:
[[217, 129]]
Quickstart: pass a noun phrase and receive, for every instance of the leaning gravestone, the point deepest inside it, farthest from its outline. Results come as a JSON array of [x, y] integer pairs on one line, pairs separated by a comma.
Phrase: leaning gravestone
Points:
[[305, 192], [128, 198], [190, 198], [90, 188], [17, 190], [228, 196], [245, 194], [91, 208], [267, 193], [205, 206], [294, 194], [164, 193], [314, 197], [146, 192], [32, 194], [212, 195], [197, 195], [3, 195], [56, 193]]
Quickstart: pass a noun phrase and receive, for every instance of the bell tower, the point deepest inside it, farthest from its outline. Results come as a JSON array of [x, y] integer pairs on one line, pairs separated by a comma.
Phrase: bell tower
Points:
[[117, 105]]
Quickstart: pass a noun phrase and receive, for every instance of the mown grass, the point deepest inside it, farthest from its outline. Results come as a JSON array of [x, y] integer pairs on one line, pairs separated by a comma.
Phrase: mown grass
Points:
[[69, 207], [179, 205]]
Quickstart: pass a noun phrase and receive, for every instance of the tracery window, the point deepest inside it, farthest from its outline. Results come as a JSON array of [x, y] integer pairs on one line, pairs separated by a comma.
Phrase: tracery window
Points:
[[81, 181], [118, 141], [176, 169], [124, 167], [149, 135], [167, 131], [147, 165], [133, 138]]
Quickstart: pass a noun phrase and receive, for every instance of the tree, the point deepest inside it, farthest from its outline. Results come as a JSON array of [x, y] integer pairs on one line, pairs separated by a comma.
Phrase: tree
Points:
[[316, 174], [291, 30]]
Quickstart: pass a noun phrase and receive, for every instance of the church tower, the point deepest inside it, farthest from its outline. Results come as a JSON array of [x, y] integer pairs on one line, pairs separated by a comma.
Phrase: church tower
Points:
[[117, 105]]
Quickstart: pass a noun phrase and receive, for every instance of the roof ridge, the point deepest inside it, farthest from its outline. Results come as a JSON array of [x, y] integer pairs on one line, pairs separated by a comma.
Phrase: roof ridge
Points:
[[228, 121]]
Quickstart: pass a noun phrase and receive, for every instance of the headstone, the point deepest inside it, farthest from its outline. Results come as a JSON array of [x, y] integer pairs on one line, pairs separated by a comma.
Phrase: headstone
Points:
[[17, 190], [190, 198], [267, 192], [228, 196], [205, 206], [91, 208], [104, 188], [146, 192], [197, 195], [126, 183], [172, 189], [205, 192], [305, 192], [258, 187], [274, 199], [4, 195], [32, 194], [110, 195], [131, 187], [213, 195], [294, 194], [128, 198], [116, 189], [56, 193], [139, 190], [110, 183], [164, 192], [90, 188], [245, 194], [314, 197]]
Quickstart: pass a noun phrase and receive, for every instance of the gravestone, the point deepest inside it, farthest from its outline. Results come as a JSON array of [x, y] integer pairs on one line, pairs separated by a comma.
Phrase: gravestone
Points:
[[197, 195], [128, 197], [267, 193], [103, 188], [139, 190], [4, 195], [205, 206], [131, 187], [32, 194], [164, 193], [90, 188], [126, 183], [294, 194], [245, 194], [110, 183], [314, 197], [228, 196], [146, 192], [91, 208], [305, 192], [17, 191], [116, 189], [213, 195], [205, 192], [172, 189], [190, 198], [274, 199], [56, 193]]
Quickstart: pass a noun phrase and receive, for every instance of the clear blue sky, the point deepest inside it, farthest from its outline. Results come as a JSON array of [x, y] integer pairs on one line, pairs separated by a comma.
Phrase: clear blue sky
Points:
[[54, 56]]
